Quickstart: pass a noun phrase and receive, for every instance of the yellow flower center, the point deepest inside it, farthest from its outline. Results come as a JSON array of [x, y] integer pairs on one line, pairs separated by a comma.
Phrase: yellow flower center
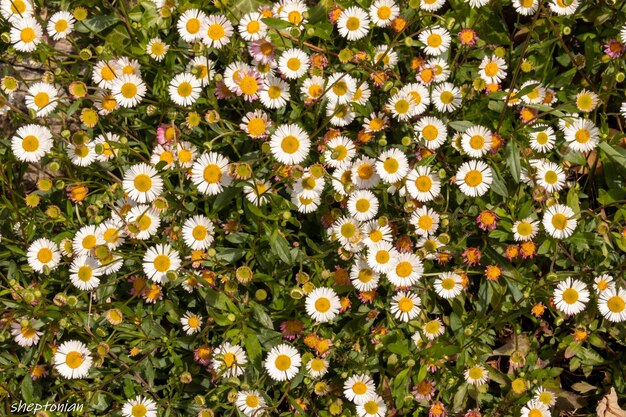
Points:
[[404, 269], [290, 144], [139, 410], [44, 255], [282, 362], [18, 7], [248, 85], [473, 178], [559, 221], [477, 142], [425, 222], [570, 296], [184, 89], [582, 136], [524, 229], [41, 99], [551, 177], [84, 273], [365, 171], [616, 304], [340, 88], [371, 407], [542, 138], [216, 32], [252, 401], [434, 40], [129, 90], [256, 126], [366, 275], [362, 205], [142, 183], [212, 174], [382, 257], [430, 132], [30, 143], [359, 388], [293, 64], [61, 25], [253, 27], [184, 155], [348, 230], [89, 242], [74, 359], [383, 12], [475, 373], [448, 283], [391, 165], [193, 26], [491, 69], [432, 327], [27, 35], [446, 97], [162, 263], [199, 232], [423, 183], [401, 106], [322, 304], [353, 23], [157, 49]]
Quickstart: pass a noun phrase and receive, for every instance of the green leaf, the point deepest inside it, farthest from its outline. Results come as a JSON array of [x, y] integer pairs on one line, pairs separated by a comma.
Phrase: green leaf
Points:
[[253, 347], [498, 186], [616, 154], [259, 313], [96, 24], [460, 125], [27, 388], [274, 23], [280, 246], [513, 160]]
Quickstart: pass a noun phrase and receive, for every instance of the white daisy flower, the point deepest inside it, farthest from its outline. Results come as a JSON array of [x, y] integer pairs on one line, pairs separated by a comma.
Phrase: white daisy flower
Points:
[[570, 296], [317, 367], [383, 12], [142, 183], [372, 407], [86, 239], [474, 178], [83, 154], [587, 101], [290, 144], [322, 304], [339, 152], [259, 193], [112, 231], [31, 143], [405, 306], [526, 7], [477, 3], [190, 24], [109, 142], [13, 10], [229, 360], [446, 97], [353, 23], [363, 173], [363, 277], [26, 33], [559, 221], [157, 49], [448, 285], [419, 96], [185, 89], [210, 173], [433, 329], [283, 362], [476, 141], [407, 271], [382, 257], [139, 407], [340, 114], [305, 204], [192, 323], [535, 95], [60, 25], [313, 87], [422, 184], [129, 66], [293, 63], [612, 304], [159, 260], [476, 375], [128, 90], [582, 135], [374, 232], [392, 165], [216, 31], [525, 230], [551, 177], [348, 231], [542, 140], [545, 397], [603, 282], [251, 27], [436, 40], [431, 5], [198, 232], [341, 88], [202, 68], [85, 273], [563, 8], [274, 93], [25, 336], [492, 69], [432, 131], [104, 73], [359, 388], [73, 360], [250, 403], [362, 94], [293, 12], [385, 55], [143, 222], [425, 220], [362, 205], [42, 98]]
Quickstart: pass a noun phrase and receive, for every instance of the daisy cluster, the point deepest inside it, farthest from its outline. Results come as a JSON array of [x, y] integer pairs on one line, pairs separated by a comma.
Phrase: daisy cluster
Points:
[[356, 208]]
